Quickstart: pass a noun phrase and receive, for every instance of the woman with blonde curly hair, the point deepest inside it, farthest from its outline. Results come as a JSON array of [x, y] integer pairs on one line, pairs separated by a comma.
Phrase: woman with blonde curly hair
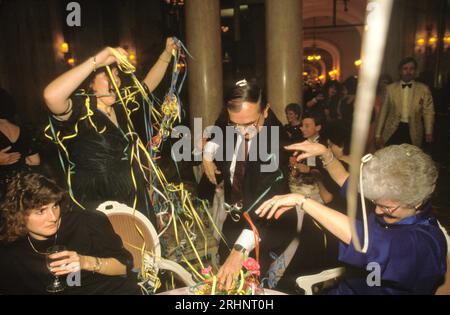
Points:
[[404, 238], [34, 217]]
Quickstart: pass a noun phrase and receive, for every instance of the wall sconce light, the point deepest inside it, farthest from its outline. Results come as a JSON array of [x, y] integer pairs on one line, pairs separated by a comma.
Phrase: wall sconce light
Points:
[[71, 61], [420, 42], [175, 2], [333, 74], [313, 57], [426, 42], [225, 29], [358, 62], [432, 40], [132, 56], [65, 54], [446, 42], [64, 48]]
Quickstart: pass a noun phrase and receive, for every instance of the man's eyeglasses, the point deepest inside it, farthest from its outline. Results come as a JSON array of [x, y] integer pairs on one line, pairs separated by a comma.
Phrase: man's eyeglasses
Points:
[[385, 209], [253, 124]]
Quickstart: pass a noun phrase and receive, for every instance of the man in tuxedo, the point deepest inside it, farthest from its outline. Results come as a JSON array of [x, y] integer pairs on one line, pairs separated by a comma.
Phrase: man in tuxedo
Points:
[[252, 172], [407, 110]]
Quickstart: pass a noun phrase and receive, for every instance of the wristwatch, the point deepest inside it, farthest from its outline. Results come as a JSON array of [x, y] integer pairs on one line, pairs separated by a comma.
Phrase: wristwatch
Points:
[[239, 248]]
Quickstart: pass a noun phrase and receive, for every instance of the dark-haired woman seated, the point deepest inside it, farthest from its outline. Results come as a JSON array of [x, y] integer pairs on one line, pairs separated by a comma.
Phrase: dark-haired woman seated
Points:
[[34, 217]]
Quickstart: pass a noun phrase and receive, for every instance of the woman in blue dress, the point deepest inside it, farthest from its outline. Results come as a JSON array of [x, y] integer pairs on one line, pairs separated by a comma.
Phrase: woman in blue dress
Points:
[[404, 238]]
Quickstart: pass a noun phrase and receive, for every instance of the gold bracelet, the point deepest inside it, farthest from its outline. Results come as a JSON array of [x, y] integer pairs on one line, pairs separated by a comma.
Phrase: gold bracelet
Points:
[[325, 164], [97, 266]]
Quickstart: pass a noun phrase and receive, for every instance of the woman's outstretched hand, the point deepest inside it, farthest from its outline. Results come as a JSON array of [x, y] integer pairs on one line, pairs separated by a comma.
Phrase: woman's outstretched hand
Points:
[[307, 149], [278, 205]]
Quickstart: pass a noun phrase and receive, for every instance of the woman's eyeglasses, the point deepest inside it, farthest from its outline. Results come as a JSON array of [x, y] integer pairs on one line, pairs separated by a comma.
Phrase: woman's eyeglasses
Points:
[[385, 209]]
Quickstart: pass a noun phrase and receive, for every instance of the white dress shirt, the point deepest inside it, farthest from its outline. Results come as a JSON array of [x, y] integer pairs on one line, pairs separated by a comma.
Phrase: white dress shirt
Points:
[[406, 101], [246, 239]]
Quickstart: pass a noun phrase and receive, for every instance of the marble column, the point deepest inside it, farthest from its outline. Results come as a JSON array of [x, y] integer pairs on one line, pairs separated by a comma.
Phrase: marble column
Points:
[[203, 39], [284, 54]]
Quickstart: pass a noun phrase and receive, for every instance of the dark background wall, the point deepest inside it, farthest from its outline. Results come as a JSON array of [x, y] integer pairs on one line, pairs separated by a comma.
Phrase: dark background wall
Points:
[[30, 29]]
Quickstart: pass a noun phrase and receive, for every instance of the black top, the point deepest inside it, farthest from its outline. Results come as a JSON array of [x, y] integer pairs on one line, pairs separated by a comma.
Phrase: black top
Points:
[[25, 146], [339, 202], [101, 154], [293, 133], [23, 271]]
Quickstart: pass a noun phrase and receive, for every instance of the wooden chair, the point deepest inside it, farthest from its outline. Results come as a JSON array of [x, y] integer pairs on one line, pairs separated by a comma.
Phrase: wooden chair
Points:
[[135, 229]]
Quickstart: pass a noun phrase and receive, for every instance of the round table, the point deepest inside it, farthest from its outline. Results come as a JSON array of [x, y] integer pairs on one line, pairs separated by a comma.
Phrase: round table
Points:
[[185, 291]]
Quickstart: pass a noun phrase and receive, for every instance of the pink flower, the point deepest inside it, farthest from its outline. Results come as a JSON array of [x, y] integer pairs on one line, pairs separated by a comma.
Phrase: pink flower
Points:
[[206, 271], [251, 265]]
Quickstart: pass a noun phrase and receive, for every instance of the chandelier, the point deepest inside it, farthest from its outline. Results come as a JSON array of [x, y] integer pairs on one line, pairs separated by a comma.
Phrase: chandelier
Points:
[[314, 56], [175, 2]]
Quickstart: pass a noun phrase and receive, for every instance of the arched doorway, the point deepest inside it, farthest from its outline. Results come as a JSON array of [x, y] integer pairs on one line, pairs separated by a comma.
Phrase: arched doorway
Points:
[[327, 49]]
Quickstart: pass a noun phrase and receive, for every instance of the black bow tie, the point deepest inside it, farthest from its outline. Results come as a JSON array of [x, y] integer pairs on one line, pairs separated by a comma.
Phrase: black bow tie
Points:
[[406, 85]]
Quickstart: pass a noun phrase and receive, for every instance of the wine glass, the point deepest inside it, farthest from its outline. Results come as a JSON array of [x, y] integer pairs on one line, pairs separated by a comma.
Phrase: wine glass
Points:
[[56, 285]]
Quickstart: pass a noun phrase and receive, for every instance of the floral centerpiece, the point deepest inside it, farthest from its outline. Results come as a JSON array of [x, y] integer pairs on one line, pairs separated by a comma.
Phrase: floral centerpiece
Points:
[[247, 282]]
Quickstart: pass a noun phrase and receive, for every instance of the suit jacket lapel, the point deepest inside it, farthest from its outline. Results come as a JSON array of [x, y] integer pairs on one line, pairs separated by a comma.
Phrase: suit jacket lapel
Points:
[[399, 98], [414, 101]]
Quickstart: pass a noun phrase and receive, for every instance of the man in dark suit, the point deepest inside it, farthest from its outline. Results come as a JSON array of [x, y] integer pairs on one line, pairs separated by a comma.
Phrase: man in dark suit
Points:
[[252, 172]]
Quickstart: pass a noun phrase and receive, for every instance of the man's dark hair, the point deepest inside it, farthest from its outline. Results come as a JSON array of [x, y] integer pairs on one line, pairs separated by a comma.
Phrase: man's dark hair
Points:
[[339, 134], [245, 91], [318, 117], [406, 60]]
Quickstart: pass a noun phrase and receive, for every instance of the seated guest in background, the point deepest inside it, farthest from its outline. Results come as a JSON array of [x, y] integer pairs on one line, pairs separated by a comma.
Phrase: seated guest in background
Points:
[[35, 216], [17, 149], [339, 139], [404, 237], [292, 128], [302, 178]]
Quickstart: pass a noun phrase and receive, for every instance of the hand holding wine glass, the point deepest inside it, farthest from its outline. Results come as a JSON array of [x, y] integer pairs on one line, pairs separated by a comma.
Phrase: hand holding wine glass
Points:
[[56, 285], [65, 262]]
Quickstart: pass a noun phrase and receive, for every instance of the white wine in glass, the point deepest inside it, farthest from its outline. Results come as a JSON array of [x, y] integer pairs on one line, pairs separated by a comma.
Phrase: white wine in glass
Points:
[[56, 285]]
